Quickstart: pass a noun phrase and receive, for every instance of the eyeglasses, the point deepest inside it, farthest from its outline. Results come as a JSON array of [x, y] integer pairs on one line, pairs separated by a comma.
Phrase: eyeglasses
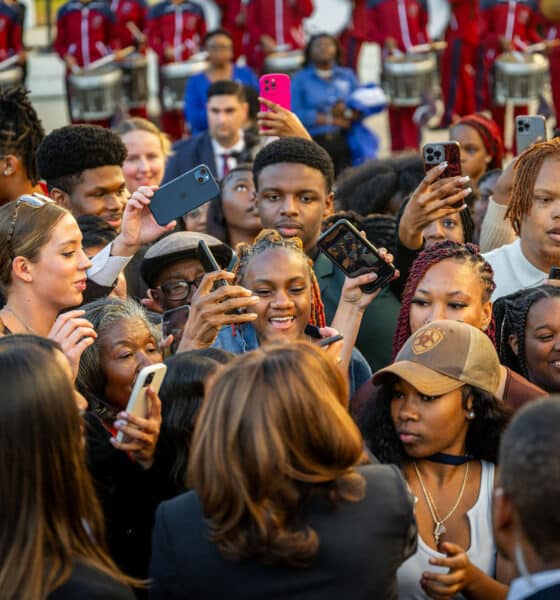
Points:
[[179, 289], [31, 200]]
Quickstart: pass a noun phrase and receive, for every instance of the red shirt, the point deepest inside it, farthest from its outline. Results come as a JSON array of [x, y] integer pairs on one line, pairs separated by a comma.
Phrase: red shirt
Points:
[[360, 22], [177, 26], [125, 11], [464, 22], [515, 21], [10, 32], [86, 31], [403, 20], [282, 20], [230, 9]]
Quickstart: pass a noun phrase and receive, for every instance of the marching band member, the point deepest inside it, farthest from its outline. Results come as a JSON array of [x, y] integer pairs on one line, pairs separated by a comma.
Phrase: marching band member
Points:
[[550, 30], [272, 23], [12, 15], [357, 32], [84, 34], [396, 26], [234, 21], [175, 31]]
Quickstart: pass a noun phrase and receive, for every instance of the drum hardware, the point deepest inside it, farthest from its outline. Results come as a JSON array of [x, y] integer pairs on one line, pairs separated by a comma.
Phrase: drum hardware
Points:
[[287, 61], [519, 78], [173, 79]]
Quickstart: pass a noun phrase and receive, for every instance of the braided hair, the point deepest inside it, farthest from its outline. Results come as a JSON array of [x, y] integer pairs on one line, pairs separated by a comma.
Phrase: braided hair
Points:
[[270, 239], [426, 259], [21, 130], [527, 168], [511, 314]]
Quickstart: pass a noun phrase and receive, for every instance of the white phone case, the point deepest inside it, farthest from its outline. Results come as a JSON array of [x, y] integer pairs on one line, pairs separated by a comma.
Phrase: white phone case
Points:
[[138, 404]]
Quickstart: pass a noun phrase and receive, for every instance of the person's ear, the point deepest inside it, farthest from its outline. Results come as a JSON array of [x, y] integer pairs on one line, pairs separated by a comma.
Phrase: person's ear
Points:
[[503, 521], [245, 109], [514, 344], [61, 198], [329, 206], [11, 163], [21, 269], [486, 315]]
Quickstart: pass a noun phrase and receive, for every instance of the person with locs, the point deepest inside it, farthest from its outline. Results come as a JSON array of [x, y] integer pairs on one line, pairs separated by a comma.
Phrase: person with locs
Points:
[[272, 25], [175, 32], [396, 26]]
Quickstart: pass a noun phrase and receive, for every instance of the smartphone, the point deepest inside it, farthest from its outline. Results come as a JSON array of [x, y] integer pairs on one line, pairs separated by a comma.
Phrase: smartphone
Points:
[[330, 340], [554, 273], [138, 403], [528, 129], [173, 322], [209, 262], [183, 194], [276, 87], [436, 153], [355, 255]]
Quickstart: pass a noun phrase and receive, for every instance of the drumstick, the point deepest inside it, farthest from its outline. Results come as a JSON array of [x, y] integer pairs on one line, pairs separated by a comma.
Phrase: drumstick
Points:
[[540, 47], [136, 33], [8, 62], [422, 48]]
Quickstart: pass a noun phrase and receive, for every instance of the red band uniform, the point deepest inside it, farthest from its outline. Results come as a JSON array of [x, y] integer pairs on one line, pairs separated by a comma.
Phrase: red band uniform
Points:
[[278, 22], [11, 42], [234, 21], [133, 12], [357, 32], [506, 25], [175, 32], [84, 34], [402, 24], [550, 31], [459, 60]]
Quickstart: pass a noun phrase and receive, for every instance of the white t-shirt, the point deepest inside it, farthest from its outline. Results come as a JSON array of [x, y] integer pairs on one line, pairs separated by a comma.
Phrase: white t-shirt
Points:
[[481, 552], [512, 271]]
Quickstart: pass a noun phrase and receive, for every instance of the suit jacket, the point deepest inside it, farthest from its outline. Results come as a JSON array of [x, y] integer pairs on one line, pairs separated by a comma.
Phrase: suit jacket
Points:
[[198, 149], [361, 546], [550, 593]]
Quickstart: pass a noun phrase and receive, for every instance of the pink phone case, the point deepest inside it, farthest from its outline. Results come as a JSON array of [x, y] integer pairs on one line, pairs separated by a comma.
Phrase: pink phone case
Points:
[[276, 88]]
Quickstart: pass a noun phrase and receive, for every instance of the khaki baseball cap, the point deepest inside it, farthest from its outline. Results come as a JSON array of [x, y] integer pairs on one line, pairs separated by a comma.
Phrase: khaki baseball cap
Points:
[[443, 356]]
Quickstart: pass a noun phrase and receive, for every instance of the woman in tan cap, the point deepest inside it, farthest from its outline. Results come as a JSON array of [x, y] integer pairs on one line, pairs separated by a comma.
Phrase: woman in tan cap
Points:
[[438, 418]]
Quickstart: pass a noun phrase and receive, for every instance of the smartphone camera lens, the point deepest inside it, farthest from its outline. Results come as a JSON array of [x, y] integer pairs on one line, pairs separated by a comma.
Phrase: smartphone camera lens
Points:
[[202, 175], [149, 379]]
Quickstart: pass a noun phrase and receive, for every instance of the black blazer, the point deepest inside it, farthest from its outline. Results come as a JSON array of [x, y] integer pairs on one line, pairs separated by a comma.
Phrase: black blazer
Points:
[[549, 593], [362, 544], [188, 154], [87, 583]]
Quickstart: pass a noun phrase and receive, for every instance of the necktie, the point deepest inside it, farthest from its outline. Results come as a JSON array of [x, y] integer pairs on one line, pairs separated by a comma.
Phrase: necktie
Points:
[[225, 164]]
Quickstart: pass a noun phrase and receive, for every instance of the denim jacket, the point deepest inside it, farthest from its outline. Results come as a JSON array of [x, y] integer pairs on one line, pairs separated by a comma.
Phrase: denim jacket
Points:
[[244, 339]]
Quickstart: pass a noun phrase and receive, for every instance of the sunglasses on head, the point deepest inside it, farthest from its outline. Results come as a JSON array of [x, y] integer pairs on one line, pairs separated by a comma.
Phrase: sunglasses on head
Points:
[[31, 200]]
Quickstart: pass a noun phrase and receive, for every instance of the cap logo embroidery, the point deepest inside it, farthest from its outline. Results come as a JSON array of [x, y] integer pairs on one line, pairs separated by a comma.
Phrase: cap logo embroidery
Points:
[[427, 340]]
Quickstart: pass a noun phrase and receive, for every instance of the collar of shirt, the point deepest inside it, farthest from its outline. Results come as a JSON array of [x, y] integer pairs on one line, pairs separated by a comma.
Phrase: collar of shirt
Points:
[[523, 587]]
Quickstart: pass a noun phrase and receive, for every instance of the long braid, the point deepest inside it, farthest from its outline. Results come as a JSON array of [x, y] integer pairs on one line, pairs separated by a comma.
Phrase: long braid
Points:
[[527, 169], [21, 131], [512, 313], [426, 259], [270, 239]]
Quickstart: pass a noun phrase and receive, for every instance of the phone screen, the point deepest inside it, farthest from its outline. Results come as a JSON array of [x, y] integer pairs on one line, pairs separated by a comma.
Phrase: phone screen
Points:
[[173, 322]]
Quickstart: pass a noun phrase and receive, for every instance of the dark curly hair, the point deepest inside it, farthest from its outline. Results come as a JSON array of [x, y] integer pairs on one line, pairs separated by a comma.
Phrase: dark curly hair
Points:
[[426, 259], [298, 151], [21, 130], [511, 313], [483, 436], [69, 151]]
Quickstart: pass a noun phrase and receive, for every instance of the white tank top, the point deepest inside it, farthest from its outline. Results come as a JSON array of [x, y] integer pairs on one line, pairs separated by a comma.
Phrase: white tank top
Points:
[[482, 551]]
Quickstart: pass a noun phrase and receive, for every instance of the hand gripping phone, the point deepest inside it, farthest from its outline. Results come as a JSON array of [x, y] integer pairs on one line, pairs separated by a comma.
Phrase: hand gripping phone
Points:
[[183, 194], [435, 153], [354, 255], [139, 403], [528, 129], [276, 88], [173, 322]]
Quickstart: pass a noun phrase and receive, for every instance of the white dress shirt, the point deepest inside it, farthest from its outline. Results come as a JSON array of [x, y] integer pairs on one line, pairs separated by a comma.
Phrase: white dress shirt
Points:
[[105, 268]]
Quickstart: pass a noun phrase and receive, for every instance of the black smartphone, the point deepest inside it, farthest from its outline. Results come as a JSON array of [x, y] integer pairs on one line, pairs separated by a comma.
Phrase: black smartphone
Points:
[[183, 194], [173, 322], [528, 129], [209, 262], [355, 255], [436, 153], [330, 340], [554, 273]]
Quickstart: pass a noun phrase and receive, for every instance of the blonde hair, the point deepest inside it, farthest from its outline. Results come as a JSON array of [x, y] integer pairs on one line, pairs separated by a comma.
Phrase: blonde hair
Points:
[[139, 124], [273, 428]]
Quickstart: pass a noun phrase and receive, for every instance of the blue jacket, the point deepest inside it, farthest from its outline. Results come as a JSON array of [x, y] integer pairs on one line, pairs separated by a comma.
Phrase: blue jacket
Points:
[[245, 339], [197, 89]]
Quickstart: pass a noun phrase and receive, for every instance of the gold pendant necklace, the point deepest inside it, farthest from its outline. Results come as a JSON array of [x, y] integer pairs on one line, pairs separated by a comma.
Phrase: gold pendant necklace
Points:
[[439, 527]]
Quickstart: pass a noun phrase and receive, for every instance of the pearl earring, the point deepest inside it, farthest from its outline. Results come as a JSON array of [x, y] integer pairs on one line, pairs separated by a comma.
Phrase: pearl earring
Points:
[[471, 415]]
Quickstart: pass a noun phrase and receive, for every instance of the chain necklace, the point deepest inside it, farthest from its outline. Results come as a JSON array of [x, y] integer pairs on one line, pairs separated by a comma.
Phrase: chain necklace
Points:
[[439, 528], [21, 321]]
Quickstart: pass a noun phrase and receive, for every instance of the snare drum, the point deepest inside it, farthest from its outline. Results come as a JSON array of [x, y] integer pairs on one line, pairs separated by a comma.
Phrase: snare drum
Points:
[[519, 78], [11, 77], [135, 80], [284, 62], [173, 78], [95, 95], [408, 77]]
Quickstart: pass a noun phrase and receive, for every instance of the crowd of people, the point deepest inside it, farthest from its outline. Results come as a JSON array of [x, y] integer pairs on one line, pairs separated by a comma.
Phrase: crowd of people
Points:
[[315, 434]]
